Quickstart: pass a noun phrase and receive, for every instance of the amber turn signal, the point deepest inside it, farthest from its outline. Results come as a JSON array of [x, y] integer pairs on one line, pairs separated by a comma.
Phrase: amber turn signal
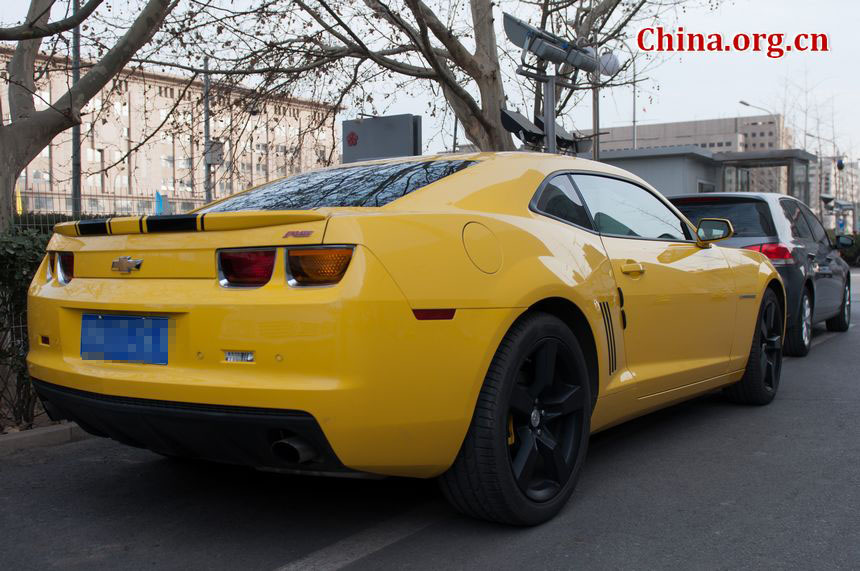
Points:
[[317, 266]]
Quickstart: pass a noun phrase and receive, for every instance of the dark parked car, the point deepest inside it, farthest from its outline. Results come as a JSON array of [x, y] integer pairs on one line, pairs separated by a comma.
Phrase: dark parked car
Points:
[[817, 279]]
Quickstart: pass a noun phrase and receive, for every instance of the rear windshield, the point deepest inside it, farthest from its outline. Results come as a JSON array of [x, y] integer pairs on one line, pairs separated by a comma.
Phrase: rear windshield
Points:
[[367, 185], [748, 217]]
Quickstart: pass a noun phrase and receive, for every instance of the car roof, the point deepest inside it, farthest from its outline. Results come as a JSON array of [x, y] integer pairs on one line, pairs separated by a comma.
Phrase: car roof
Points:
[[546, 162], [766, 196]]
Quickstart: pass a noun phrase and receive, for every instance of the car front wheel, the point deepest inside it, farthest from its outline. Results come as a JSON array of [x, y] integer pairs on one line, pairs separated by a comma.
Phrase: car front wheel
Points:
[[529, 434]]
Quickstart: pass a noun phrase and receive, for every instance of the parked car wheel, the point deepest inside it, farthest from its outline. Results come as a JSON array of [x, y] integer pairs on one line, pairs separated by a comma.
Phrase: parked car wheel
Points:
[[764, 367], [798, 338], [529, 434], [842, 321]]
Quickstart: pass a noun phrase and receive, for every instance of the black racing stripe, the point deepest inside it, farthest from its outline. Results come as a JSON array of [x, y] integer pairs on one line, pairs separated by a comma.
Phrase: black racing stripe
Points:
[[92, 227], [140, 224], [178, 223], [203, 222]]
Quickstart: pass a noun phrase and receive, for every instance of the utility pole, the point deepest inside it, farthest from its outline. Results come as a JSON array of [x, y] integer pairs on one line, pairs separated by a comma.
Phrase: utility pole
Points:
[[76, 129], [633, 62], [207, 143], [595, 116], [549, 114]]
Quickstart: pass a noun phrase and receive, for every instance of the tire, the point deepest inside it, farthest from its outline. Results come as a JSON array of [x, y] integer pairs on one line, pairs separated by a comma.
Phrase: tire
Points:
[[533, 419], [764, 366], [798, 337], [842, 321]]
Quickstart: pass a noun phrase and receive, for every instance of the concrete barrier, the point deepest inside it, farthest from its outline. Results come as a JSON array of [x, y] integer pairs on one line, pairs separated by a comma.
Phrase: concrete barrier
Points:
[[44, 436]]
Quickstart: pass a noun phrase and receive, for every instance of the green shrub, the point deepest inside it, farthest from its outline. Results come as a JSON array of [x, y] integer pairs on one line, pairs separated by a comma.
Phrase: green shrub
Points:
[[21, 252]]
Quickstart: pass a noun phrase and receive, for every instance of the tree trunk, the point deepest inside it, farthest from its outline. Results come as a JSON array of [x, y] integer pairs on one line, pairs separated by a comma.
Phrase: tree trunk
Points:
[[30, 131], [8, 175]]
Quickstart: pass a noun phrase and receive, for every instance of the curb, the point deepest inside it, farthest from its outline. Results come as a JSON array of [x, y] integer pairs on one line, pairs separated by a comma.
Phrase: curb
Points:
[[39, 437]]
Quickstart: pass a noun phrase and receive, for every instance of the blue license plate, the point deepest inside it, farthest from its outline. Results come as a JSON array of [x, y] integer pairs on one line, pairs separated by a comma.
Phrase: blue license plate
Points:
[[124, 338]]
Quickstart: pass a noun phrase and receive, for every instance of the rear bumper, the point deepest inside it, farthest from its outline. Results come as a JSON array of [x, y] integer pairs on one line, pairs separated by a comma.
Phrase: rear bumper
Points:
[[391, 394], [228, 434]]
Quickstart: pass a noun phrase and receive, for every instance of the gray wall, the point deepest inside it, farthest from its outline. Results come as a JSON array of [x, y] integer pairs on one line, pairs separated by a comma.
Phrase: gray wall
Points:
[[671, 175]]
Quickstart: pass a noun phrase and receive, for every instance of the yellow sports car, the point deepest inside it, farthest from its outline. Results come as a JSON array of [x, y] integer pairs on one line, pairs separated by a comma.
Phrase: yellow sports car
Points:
[[472, 317]]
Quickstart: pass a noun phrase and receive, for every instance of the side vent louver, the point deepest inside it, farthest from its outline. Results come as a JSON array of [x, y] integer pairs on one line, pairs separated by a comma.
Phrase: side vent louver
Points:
[[610, 335]]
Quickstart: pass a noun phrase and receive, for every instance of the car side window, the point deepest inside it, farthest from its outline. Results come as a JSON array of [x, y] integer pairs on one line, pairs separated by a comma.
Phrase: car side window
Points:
[[560, 200], [620, 208], [817, 229], [799, 228]]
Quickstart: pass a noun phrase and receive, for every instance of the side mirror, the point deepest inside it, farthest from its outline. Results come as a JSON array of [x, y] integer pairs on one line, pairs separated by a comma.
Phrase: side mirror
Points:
[[844, 242], [714, 229]]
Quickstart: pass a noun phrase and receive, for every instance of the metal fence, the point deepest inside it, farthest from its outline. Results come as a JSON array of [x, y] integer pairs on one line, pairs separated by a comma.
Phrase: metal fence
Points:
[[35, 211], [40, 210]]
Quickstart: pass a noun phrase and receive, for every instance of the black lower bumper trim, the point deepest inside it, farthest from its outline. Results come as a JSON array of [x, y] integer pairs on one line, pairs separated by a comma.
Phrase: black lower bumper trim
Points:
[[220, 433]]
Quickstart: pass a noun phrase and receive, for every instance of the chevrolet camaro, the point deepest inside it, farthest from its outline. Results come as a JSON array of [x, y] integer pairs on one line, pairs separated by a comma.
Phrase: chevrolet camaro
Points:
[[468, 317]]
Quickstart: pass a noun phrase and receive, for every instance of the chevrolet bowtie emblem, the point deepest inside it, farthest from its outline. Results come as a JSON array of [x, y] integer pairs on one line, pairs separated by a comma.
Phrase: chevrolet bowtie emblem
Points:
[[126, 264]]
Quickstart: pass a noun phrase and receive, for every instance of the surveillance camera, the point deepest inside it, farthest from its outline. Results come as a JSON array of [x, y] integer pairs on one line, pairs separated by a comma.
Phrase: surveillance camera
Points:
[[551, 48], [524, 129]]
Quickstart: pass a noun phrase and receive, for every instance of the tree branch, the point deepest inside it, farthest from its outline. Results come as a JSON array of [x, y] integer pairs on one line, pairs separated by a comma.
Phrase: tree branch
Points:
[[34, 30]]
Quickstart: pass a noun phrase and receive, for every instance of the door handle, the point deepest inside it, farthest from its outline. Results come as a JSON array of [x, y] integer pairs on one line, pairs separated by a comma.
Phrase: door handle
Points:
[[632, 268]]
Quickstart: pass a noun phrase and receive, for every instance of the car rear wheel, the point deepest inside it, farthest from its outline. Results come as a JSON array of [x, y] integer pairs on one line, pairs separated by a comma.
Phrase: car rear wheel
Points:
[[798, 338], [764, 367], [842, 321], [529, 434]]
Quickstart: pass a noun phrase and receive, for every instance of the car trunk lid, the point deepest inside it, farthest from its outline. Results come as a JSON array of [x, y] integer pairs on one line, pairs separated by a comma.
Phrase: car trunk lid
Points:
[[182, 246]]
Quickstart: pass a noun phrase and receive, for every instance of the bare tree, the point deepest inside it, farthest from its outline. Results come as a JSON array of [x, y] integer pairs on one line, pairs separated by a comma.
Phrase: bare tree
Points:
[[31, 130], [328, 48]]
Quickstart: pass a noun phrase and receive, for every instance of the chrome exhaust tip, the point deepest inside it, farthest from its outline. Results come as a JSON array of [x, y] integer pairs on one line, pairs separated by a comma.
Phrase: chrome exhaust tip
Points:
[[294, 450]]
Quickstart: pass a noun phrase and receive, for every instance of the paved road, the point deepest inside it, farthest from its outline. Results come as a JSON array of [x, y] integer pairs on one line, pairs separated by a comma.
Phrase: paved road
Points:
[[706, 484]]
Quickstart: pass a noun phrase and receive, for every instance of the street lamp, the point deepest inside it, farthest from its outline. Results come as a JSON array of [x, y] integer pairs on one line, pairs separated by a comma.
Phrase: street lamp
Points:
[[836, 154], [768, 111], [633, 65]]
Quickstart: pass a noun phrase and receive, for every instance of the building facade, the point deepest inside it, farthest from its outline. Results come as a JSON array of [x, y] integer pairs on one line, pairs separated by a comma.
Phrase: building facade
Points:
[[142, 145], [734, 134]]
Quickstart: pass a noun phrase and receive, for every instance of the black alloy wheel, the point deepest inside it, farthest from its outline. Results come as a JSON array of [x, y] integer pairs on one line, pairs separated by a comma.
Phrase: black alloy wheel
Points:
[[770, 337], [528, 438], [545, 413], [798, 338], [764, 366]]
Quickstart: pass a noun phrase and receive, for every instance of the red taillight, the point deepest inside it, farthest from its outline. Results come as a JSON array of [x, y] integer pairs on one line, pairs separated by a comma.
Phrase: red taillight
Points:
[[246, 268], [66, 267], [773, 251]]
